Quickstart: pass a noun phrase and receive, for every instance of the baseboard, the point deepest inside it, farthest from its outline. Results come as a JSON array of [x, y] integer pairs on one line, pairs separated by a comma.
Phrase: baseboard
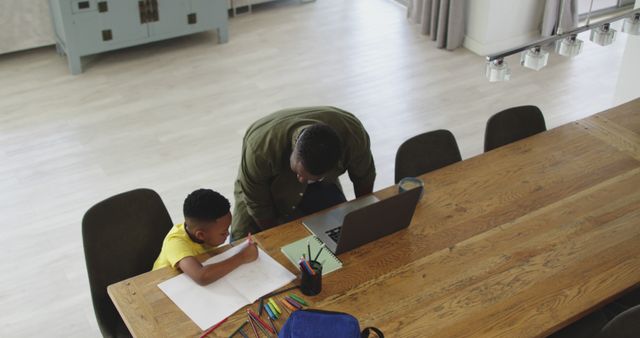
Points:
[[499, 46]]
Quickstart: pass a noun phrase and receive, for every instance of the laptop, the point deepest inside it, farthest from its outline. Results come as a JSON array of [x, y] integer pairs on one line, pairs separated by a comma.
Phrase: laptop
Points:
[[365, 222]]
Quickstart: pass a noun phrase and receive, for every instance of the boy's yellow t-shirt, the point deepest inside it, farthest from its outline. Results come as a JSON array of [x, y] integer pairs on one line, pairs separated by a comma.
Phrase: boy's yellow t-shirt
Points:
[[176, 246]]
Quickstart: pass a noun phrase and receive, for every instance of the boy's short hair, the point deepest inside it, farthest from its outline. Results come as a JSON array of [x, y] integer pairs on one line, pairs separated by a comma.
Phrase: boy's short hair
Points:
[[318, 148], [205, 205]]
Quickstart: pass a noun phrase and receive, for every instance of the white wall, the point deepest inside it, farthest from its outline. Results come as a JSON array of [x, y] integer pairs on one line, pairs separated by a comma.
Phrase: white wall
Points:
[[497, 25], [628, 86], [24, 24]]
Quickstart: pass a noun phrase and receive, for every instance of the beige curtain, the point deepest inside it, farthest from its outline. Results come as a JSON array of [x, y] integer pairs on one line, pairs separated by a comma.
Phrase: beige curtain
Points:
[[443, 20], [551, 19]]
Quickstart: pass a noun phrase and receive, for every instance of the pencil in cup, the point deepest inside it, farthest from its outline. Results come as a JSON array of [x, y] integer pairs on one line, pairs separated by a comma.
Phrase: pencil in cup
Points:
[[311, 281]]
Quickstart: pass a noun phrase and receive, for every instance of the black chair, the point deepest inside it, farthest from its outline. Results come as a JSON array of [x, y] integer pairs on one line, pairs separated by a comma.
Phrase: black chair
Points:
[[624, 325], [511, 125], [122, 237], [585, 327], [616, 319], [426, 152]]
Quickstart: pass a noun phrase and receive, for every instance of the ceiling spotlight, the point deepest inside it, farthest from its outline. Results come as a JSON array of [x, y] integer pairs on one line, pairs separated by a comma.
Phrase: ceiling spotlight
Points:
[[497, 70], [534, 58], [569, 46], [632, 25], [603, 35]]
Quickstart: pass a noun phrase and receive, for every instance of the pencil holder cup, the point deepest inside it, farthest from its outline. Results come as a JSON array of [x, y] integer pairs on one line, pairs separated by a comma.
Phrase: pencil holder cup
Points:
[[409, 183], [311, 283]]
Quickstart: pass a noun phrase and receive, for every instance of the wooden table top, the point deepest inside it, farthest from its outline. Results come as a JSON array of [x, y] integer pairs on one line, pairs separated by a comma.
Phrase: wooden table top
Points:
[[516, 242]]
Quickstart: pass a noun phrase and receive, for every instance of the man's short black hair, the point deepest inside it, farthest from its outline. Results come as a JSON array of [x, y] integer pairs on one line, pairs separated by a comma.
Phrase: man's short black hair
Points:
[[205, 205], [318, 148]]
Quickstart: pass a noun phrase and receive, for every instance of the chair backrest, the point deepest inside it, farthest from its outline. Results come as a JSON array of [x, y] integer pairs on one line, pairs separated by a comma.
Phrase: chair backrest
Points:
[[511, 125], [426, 152], [122, 237], [624, 325]]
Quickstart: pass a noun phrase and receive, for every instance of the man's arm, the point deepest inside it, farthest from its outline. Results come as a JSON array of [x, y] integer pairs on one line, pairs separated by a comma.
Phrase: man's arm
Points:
[[266, 223], [255, 179], [362, 188], [207, 274], [362, 169]]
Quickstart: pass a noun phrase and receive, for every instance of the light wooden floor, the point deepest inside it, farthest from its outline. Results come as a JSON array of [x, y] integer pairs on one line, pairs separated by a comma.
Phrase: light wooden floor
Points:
[[170, 116]]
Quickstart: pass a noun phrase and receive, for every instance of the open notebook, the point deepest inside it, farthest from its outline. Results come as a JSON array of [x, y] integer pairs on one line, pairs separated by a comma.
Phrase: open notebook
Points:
[[208, 305], [295, 250]]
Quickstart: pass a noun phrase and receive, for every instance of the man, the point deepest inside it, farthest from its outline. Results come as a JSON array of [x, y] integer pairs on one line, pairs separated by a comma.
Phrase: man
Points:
[[290, 164]]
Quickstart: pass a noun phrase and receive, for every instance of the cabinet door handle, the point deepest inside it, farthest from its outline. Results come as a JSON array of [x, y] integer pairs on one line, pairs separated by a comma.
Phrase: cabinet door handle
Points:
[[142, 8], [103, 7]]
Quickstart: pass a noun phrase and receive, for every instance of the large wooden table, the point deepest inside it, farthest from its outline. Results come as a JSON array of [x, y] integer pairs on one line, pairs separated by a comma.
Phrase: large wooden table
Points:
[[517, 242]]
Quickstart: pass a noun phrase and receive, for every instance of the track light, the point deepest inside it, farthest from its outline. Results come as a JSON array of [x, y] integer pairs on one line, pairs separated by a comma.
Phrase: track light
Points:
[[632, 25], [603, 35], [497, 70], [566, 44], [534, 58], [569, 46]]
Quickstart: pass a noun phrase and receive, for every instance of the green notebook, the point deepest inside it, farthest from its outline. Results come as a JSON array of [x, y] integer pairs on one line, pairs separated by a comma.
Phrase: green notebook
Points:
[[294, 251]]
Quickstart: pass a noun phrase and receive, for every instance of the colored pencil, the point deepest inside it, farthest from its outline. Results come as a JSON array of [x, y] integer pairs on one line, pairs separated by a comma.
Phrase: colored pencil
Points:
[[238, 329], [275, 305], [253, 326], [298, 299], [276, 315], [269, 313], [262, 328], [297, 305], [319, 251], [313, 272], [303, 267], [213, 328], [273, 326], [258, 319], [288, 307]]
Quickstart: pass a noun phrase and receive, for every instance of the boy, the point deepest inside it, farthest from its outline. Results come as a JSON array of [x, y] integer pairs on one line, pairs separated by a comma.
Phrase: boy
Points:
[[206, 225]]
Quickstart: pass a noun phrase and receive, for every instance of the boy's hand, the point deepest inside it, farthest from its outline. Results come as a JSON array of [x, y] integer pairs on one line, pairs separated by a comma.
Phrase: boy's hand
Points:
[[250, 252]]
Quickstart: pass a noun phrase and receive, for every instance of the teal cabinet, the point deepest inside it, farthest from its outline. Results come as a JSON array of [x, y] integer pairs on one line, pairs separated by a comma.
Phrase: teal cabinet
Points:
[[85, 27]]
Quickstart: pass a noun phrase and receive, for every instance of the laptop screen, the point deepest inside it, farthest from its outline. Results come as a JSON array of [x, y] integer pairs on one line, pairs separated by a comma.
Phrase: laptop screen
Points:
[[368, 223]]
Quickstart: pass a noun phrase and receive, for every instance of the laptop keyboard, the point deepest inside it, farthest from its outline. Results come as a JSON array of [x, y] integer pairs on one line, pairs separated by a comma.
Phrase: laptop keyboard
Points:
[[334, 233]]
